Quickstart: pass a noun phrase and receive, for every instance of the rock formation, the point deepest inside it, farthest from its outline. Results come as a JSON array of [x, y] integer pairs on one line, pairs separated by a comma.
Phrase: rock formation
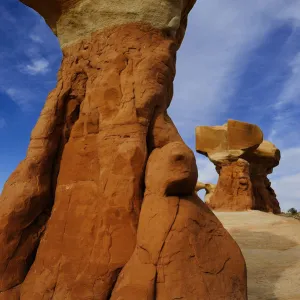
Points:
[[209, 190], [178, 239], [263, 160], [70, 212], [243, 160]]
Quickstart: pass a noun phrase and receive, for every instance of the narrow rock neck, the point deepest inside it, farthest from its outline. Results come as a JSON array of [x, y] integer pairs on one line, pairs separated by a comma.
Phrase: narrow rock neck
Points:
[[130, 71]]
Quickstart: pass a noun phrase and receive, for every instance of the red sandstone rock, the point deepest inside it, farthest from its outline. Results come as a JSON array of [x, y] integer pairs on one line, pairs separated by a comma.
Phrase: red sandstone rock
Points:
[[27, 196], [178, 238], [243, 161], [88, 153], [263, 160], [234, 189]]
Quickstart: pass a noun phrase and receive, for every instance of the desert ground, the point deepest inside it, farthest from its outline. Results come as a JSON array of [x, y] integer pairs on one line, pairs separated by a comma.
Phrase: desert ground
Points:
[[271, 247]]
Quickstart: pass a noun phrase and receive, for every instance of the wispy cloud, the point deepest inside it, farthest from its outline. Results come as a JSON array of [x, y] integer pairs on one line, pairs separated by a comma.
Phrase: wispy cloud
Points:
[[220, 38], [22, 97], [29, 50], [291, 89], [36, 38], [37, 66], [215, 52], [287, 108]]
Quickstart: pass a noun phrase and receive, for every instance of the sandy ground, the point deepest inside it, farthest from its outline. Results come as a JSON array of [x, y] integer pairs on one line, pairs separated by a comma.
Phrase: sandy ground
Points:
[[271, 247]]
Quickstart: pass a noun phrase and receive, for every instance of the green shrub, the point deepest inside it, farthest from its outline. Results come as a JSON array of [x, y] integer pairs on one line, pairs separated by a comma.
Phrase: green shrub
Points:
[[292, 211]]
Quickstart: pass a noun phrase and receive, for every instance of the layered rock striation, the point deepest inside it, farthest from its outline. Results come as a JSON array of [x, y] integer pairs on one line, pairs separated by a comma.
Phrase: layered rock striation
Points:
[[70, 216], [243, 160]]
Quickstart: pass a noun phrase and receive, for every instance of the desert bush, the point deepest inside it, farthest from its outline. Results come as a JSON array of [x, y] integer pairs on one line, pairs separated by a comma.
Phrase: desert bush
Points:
[[292, 211]]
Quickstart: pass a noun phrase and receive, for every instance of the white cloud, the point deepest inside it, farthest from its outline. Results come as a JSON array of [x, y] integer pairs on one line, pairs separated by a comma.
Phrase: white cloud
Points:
[[291, 11], [21, 97], [221, 34], [38, 66], [287, 108], [219, 41], [287, 189], [35, 38], [2, 123], [291, 89]]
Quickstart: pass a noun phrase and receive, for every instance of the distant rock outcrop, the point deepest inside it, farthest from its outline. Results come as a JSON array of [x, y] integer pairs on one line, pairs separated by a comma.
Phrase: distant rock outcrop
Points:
[[262, 161], [243, 160], [209, 190]]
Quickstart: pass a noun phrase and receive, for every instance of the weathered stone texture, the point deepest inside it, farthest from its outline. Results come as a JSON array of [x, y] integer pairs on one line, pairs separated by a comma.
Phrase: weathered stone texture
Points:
[[243, 160], [70, 214], [234, 189], [209, 190], [182, 251]]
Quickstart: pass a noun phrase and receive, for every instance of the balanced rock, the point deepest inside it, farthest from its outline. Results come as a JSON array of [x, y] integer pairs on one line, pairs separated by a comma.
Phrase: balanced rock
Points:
[[227, 142], [243, 160], [70, 212]]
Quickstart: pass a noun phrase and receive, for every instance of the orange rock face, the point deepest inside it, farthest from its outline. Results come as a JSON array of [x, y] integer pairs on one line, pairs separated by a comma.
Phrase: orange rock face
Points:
[[243, 161], [99, 186], [70, 214], [263, 160], [182, 251], [234, 190]]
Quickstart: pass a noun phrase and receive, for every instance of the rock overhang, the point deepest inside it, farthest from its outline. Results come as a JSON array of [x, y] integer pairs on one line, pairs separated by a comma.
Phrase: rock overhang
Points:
[[74, 20]]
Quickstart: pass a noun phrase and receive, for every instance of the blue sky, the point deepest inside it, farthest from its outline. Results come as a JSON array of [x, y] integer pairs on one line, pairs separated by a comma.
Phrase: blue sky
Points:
[[239, 60]]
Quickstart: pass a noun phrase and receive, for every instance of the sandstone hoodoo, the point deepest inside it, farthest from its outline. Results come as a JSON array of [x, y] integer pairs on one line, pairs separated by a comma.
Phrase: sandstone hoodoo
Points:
[[243, 160], [80, 207]]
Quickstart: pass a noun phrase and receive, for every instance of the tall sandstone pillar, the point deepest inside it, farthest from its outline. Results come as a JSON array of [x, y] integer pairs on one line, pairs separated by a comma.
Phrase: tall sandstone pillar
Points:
[[70, 212]]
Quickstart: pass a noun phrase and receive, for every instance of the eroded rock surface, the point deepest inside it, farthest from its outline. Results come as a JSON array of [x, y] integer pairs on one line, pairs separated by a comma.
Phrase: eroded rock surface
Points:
[[182, 251], [209, 190], [70, 212], [234, 188], [243, 160], [263, 160]]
